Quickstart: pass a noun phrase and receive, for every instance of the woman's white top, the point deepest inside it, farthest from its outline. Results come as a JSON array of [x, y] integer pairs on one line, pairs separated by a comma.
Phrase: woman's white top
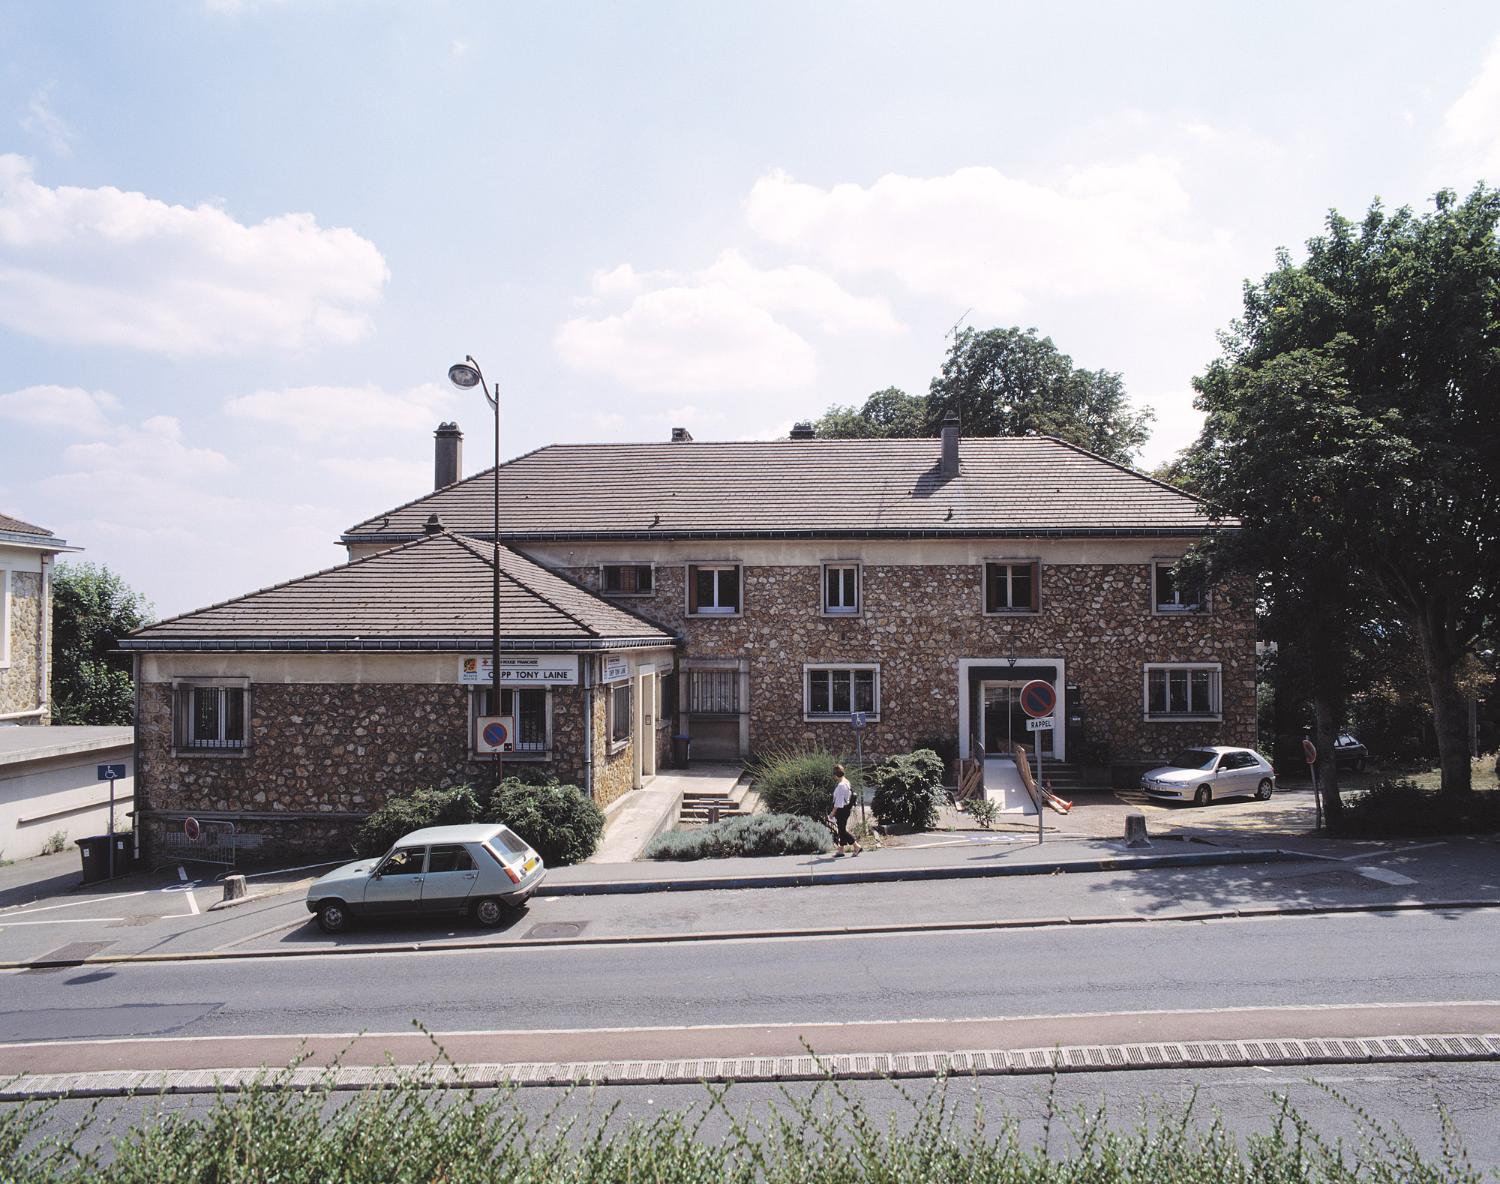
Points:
[[843, 794]]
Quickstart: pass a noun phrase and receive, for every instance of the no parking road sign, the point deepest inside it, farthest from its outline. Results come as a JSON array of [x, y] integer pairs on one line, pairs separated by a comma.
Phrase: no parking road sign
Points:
[[1038, 698]]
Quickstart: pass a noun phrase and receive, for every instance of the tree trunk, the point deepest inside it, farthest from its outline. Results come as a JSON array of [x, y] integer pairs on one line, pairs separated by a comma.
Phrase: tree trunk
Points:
[[1328, 719], [1450, 710]]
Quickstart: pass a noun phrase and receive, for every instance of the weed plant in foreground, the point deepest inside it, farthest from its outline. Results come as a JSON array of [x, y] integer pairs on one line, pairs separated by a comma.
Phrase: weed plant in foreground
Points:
[[414, 1132]]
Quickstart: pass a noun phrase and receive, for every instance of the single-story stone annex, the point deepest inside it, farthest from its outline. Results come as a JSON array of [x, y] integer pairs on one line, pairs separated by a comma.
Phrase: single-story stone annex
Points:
[[747, 595]]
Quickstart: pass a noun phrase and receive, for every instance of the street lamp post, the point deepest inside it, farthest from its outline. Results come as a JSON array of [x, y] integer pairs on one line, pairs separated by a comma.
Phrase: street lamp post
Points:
[[466, 375]]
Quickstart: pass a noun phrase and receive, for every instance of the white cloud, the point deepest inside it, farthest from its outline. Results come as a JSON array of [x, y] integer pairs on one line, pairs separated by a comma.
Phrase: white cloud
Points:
[[1471, 126], [980, 238], [46, 125], [107, 267], [154, 451], [60, 408], [315, 413], [715, 329]]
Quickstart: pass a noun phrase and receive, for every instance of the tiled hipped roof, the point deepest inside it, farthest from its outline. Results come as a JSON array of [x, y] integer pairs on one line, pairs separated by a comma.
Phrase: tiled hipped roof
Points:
[[1032, 485], [16, 526], [435, 593]]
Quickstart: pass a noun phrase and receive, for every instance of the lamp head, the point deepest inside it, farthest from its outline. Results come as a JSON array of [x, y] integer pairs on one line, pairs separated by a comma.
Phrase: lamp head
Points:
[[464, 375]]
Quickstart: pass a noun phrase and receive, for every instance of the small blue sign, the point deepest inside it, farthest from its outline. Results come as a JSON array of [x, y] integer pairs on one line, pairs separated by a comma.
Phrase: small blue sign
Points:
[[112, 772], [859, 719]]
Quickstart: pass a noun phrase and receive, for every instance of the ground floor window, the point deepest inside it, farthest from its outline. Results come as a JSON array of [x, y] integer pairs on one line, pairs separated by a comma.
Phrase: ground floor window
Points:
[[713, 692], [210, 717], [838, 691], [1181, 690], [531, 711], [619, 713]]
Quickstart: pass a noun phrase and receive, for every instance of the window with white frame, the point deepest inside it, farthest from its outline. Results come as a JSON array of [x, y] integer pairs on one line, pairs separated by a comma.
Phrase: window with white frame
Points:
[[1011, 586], [530, 710], [619, 712], [834, 692], [1174, 595], [713, 589], [212, 717], [628, 579], [841, 589], [1182, 690]]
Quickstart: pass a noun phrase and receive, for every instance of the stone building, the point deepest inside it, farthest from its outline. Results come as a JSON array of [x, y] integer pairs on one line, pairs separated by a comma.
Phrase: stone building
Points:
[[26, 555], [919, 581], [294, 711]]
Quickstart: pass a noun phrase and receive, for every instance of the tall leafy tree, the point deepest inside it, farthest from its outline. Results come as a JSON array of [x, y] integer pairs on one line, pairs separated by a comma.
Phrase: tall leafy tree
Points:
[[885, 414], [1014, 382], [92, 608], [1353, 423]]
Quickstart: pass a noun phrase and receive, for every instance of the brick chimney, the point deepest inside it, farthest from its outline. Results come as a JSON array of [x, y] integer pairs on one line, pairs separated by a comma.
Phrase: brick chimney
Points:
[[948, 465], [448, 455], [681, 436]]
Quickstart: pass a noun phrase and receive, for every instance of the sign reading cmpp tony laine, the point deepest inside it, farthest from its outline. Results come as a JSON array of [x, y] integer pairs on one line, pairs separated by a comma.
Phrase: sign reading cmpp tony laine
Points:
[[530, 670]]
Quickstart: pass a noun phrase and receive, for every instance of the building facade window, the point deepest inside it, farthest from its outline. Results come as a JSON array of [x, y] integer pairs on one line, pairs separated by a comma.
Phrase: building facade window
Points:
[[835, 692], [1172, 595], [1012, 586], [841, 589], [713, 692], [713, 589], [628, 579], [619, 713], [531, 715], [211, 717], [1182, 690]]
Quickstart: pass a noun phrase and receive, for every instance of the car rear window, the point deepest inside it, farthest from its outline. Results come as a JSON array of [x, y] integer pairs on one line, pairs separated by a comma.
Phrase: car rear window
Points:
[[509, 844]]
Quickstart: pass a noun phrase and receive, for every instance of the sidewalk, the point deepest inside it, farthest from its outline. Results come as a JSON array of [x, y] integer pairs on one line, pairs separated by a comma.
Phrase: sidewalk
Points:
[[642, 814]]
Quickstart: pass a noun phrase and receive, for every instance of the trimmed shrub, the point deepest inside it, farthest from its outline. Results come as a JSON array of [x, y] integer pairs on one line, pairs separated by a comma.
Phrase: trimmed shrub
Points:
[[909, 790], [982, 811], [755, 834], [560, 821], [1397, 808], [406, 812], [801, 781]]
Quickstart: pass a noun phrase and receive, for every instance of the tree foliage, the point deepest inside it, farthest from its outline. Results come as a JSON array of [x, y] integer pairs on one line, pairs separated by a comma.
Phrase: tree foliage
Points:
[[92, 608], [1353, 425], [1004, 382]]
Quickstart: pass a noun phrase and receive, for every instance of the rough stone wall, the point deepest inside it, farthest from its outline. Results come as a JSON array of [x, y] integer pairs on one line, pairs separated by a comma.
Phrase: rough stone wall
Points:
[[21, 683], [918, 621], [614, 773], [332, 749]]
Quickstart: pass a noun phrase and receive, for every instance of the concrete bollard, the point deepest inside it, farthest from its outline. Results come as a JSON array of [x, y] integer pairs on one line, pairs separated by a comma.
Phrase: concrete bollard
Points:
[[1135, 830], [234, 887]]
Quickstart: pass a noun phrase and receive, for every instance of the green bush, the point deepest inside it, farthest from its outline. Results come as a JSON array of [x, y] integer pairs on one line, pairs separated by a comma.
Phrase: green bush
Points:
[[909, 790], [406, 812], [755, 834], [800, 780], [1397, 808], [560, 821], [982, 811]]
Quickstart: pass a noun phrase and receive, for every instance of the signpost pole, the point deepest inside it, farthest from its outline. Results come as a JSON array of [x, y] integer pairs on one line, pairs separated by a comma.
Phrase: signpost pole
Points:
[[857, 720], [1040, 791], [1310, 752]]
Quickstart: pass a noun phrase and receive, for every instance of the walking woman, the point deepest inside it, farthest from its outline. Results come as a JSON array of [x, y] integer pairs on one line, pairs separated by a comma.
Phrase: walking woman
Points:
[[843, 804]]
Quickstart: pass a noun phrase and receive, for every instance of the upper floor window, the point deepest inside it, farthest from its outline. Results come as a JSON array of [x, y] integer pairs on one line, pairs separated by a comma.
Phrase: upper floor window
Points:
[[1173, 595], [628, 579], [1182, 690], [713, 589], [837, 691], [211, 716], [1012, 586], [841, 588]]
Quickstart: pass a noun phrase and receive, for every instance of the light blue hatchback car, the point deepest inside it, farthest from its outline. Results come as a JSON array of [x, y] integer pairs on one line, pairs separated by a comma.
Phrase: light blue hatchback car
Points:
[[482, 869]]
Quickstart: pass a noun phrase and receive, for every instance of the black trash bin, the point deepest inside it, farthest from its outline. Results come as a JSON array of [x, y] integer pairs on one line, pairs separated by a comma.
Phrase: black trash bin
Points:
[[682, 751], [94, 851], [124, 854]]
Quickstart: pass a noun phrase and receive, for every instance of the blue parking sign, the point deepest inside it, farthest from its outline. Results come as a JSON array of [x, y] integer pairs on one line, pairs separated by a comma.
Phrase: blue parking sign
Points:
[[112, 772]]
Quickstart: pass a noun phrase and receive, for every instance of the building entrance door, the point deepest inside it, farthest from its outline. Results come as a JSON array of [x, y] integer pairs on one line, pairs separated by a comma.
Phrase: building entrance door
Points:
[[1003, 723]]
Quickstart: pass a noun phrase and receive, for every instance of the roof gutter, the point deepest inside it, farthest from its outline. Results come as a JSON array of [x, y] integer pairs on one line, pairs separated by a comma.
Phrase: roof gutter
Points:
[[561, 536], [325, 645], [35, 542]]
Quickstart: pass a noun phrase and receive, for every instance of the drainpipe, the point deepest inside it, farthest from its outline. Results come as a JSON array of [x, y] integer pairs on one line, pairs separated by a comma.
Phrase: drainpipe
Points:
[[588, 724]]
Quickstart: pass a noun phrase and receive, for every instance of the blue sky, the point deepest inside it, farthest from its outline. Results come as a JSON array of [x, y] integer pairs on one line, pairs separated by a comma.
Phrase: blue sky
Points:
[[240, 242]]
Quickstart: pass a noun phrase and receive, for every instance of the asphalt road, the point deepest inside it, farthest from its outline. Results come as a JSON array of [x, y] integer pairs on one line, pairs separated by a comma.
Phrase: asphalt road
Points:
[[1353, 958]]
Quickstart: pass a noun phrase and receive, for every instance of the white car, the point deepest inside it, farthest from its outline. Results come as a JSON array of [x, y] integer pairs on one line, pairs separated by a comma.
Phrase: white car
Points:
[[1200, 775]]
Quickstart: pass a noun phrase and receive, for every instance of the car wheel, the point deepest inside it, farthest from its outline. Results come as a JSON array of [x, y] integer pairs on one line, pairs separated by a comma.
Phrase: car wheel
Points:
[[489, 912], [1203, 796], [1263, 790], [333, 916]]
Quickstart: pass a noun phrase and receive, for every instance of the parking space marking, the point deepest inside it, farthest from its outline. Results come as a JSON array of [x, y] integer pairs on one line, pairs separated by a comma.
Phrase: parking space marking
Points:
[[62, 921], [192, 902], [47, 908]]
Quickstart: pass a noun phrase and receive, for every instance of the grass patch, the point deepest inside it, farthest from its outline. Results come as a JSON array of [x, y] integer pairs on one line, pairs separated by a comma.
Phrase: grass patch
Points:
[[412, 1132], [755, 834], [1482, 771], [1400, 808]]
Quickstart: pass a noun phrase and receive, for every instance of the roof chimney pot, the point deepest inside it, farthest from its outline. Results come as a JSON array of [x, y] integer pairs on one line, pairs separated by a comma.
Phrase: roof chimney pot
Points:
[[681, 436], [447, 454], [948, 464], [803, 431], [433, 525]]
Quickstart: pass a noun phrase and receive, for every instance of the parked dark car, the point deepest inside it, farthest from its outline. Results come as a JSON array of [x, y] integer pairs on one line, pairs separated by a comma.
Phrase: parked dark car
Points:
[[1349, 753]]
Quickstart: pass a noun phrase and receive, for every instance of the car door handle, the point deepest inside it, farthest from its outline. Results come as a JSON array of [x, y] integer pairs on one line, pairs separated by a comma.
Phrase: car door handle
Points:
[[470, 875], [416, 879]]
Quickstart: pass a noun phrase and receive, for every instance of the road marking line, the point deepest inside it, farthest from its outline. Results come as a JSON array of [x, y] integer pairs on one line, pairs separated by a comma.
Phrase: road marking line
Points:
[[1385, 875], [62, 921], [192, 902], [47, 908]]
